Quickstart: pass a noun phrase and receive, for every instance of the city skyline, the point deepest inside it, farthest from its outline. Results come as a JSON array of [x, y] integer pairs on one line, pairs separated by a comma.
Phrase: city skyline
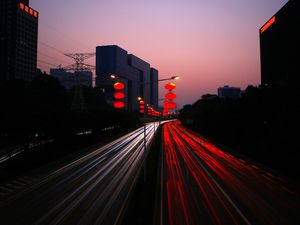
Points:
[[186, 38]]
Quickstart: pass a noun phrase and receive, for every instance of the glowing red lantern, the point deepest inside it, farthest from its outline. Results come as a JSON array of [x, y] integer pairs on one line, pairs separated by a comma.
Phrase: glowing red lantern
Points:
[[170, 86], [142, 102], [170, 96], [119, 86], [119, 104], [166, 104], [172, 105], [142, 111], [119, 95]]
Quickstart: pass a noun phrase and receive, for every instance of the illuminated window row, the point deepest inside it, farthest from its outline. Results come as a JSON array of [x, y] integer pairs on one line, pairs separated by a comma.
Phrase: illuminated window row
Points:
[[28, 10]]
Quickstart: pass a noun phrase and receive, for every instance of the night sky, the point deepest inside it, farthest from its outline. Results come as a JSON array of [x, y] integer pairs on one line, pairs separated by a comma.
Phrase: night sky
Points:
[[208, 43]]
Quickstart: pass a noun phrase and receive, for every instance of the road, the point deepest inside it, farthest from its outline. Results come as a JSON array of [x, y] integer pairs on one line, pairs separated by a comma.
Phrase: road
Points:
[[93, 189], [204, 185]]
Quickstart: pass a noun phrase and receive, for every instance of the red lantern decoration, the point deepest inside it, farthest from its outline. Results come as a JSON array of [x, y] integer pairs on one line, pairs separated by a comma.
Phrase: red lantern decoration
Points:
[[119, 86], [142, 102], [142, 111], [119, 95], [170, 96], [119, 104], [166, 104], [172, 105], [170, 86]]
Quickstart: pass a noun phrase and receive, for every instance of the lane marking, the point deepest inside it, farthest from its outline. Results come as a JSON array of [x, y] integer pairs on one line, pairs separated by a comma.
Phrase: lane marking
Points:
[[226, 195]]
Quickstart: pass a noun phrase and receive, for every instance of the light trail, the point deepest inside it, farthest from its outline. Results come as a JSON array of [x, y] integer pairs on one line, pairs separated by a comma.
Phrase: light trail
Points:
[[93, 189], [205, 185]]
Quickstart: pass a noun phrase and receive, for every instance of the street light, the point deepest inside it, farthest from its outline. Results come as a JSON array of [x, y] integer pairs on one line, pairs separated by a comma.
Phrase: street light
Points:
[[140, 100], [114, 76], [170, 78]]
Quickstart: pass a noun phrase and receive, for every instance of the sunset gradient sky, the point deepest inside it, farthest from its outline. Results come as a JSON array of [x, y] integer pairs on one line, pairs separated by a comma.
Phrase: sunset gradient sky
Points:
[[209, 43]]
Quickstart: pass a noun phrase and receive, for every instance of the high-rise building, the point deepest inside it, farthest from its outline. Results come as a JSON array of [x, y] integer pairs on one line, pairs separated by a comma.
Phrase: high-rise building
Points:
[[18, 40], [154, 87], [279, 47], [135, 73], [70, 80]]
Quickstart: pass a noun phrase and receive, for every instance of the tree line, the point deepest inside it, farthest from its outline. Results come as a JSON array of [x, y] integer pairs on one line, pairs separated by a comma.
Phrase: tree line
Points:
[[43, 108], [263, 124]]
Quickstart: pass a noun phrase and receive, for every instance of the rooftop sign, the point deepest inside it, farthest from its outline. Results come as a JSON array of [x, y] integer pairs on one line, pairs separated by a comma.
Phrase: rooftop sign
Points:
[[28, 10], [267, 24]]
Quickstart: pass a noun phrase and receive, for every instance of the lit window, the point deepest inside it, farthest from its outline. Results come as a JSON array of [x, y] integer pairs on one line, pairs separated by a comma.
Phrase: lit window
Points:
[[26, 8], [31, 11], [22, 6]]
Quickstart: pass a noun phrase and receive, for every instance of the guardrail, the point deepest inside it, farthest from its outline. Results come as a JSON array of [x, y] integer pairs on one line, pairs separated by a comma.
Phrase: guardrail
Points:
[[16, 150]]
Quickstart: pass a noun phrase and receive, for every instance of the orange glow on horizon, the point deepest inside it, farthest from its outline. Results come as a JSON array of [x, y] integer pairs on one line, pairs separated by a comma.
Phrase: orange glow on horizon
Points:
[[268, 24]]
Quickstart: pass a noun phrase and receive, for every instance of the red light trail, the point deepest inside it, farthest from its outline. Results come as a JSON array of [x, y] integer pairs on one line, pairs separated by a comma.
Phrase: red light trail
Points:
[[205, 185]]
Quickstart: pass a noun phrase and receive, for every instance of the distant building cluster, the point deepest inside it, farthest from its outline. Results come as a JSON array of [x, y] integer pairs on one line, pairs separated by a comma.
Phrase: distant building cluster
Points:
[[18, 40], [279, 47], [139, 78], [229, 92], [70, 79]]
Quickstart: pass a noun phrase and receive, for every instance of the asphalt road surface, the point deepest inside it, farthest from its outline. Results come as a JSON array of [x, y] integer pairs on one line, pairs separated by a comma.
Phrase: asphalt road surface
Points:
[[93, 189], [201, 184]]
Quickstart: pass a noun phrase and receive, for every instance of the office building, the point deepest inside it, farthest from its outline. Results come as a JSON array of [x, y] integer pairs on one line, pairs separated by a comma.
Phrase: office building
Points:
[[18, 40], [154, 87], [135, 73], [279, 47], [229, 92], [70, 80]]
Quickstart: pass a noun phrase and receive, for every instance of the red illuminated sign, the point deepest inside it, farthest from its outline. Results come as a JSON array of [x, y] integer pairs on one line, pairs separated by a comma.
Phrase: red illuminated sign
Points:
[[28, 10], [22, 6], [268, 24]]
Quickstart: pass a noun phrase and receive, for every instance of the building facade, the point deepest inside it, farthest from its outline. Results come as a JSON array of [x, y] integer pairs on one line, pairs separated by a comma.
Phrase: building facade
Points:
[[229, 92], [279, 46], [154, 87], [135, 73], [18, 40], [70, 80]]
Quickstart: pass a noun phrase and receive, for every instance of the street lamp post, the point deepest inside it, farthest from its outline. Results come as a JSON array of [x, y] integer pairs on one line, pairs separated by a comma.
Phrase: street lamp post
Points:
[[114, 76]]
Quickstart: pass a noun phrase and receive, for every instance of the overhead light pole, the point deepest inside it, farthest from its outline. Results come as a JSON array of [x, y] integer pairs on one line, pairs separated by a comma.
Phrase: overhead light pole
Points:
[[140, 99]]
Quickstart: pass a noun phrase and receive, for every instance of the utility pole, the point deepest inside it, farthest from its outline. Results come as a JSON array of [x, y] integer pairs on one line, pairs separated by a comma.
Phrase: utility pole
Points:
[[78, 103]]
